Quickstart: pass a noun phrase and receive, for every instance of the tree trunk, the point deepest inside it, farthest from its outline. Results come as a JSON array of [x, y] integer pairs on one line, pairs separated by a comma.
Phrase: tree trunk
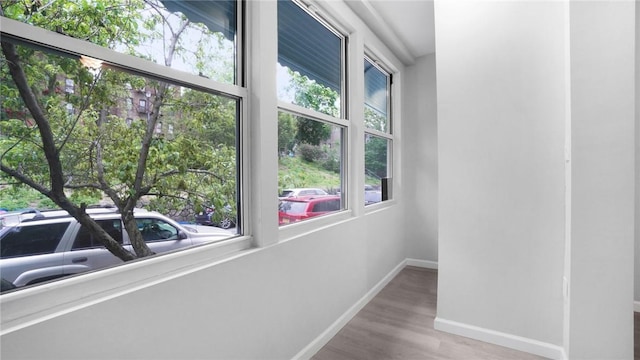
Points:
[[139, 245]]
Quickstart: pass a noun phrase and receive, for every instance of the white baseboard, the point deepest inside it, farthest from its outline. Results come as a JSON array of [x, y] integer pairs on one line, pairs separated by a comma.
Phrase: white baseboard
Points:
[[328, 334], [490, 336], [499, 338], [422, 263], [636, 306]]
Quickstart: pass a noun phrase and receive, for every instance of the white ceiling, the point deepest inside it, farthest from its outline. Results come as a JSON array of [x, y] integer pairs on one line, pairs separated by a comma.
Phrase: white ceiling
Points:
[[406, 26]]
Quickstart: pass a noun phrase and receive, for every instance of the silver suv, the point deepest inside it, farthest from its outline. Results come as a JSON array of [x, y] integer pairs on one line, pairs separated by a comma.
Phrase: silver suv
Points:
[[37, 246]]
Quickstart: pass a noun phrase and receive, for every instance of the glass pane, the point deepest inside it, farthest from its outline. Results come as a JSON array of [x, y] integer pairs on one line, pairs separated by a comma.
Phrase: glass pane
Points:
[[31, 240], [310, 61], [376, 167], [376, 109], [85, 239], [156, 230], [310, 167], [198, 37], [120, 138]]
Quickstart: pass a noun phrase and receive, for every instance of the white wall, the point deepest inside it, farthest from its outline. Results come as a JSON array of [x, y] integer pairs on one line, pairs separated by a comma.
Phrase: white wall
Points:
[[501, 98], [511, 87], [637, 226], [420, 148], [603, 179], [266, 305]]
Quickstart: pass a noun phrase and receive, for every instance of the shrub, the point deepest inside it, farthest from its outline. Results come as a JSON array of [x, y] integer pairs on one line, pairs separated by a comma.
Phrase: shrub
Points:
[[331, 160], [311, 153]]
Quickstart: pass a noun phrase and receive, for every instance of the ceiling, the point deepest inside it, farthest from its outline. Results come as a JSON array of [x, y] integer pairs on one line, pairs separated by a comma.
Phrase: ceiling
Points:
[[406, 26]]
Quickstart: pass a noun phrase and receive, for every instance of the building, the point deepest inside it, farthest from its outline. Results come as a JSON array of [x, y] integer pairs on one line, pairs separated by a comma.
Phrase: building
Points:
[[516, 173]]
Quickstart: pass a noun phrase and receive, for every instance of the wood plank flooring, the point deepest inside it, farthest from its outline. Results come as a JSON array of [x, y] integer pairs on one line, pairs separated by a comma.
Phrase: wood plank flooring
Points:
[[636, 336], [398, 324]]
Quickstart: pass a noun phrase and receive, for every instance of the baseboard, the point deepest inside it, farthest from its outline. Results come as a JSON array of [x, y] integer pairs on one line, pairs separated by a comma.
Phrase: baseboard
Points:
[[636, 306], [499, 338], [328, 334], [423, 263]]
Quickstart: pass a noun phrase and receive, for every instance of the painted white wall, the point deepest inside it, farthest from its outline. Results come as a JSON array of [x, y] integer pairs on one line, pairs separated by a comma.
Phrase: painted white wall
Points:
[[420, 148], [637, 226], [603, 179], [266, 305], [508, 83], [501, 169]]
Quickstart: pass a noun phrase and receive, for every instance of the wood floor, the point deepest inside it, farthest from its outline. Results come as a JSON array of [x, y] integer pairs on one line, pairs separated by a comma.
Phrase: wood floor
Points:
[[398, 324], [636, 336]]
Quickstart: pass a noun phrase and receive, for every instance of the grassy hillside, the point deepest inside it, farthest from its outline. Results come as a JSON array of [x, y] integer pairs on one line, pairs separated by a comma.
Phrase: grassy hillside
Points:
[[293, 172]]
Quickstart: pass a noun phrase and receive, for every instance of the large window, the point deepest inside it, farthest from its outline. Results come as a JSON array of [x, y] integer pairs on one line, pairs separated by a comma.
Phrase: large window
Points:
[[378, 138], [311, 121], [130, 104]]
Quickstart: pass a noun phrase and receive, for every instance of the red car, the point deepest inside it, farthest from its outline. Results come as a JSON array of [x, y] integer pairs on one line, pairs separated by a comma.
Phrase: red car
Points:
[[300, 208]]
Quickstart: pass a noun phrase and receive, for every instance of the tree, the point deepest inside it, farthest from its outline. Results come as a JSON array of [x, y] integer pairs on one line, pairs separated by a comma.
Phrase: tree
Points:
[[287, 132], [62, 127], [312, 95], [375, 156]]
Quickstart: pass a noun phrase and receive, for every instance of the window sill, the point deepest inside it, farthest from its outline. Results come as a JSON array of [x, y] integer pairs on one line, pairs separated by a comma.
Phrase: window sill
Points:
[[379, 206], [301, 228], [31, 305]]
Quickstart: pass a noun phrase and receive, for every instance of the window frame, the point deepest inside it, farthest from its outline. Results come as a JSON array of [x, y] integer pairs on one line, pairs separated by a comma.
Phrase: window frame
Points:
[[38, 38], [387, 135], [342, 121]]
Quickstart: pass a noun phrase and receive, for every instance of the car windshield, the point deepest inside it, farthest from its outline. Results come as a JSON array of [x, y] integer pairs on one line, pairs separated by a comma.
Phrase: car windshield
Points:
[[293, 207], [286, 193]]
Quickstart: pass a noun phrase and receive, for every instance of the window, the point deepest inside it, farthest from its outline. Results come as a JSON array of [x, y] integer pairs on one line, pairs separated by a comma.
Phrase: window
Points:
[[157, 230], [142, 105], [122, 92], [68, 86], [378, 138], [31, 240], [85, 239], [311, 121]]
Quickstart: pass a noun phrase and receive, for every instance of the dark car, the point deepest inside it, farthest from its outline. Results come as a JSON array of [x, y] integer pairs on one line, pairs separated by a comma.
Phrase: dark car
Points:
[[208, 216], [296, 209]]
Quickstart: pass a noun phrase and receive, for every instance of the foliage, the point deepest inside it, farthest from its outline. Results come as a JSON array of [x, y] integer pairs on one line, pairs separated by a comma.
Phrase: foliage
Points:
[[375, 157], [374, 120], [312, 95], [84, 139], [311, 153], [22, 197], [312, 132], [328, 158], [293, 172], [287, 132], [331, 160]]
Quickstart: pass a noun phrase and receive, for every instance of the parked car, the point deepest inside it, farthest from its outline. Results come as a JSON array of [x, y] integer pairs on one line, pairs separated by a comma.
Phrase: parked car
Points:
[[295, 209], [206, 217], [288, 193], [42, 245], [6, 285], [372, 194]]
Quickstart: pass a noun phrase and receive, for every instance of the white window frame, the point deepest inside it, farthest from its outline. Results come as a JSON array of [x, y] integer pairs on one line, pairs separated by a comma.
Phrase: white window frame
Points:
[[342, 122], [21, 308], [389, 134]]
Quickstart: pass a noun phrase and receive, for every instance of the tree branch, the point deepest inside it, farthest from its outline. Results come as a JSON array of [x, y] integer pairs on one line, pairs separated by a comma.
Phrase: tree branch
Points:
[[24, 179], [84, 106], [192, 171], [48, 143]]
